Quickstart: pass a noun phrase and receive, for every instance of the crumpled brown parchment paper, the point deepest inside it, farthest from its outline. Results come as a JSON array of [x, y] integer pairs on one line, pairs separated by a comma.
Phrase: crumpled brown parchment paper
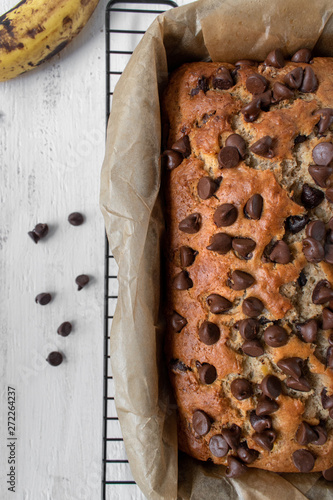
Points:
[[130, 183]]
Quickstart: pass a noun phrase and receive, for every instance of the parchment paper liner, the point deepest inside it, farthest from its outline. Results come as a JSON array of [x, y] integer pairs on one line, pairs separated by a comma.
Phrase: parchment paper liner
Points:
[[130, 202]]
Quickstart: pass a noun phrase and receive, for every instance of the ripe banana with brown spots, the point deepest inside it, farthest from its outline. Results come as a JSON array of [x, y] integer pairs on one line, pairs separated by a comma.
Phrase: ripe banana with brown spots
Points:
[[35, 30]]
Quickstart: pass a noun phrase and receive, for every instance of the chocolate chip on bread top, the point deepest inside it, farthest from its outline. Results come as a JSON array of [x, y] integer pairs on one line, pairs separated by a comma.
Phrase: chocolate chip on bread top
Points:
[[249, 167]]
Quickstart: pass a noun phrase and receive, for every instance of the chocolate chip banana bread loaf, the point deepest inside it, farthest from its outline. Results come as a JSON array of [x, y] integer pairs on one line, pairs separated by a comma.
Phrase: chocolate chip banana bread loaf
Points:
[[249, 164]]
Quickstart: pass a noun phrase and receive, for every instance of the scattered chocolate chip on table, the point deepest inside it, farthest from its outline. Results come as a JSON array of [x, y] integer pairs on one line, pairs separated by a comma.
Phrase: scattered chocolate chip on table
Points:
[[55, 358], [76, 219], [43, 298], [82, 280]]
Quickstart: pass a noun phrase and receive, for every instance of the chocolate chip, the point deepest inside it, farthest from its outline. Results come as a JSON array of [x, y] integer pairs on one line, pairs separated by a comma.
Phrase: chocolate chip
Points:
[[64, 329], [302, 279], [280, 253], [191, 224], [329, 249], [275, 58], [232, 436], [327, 319], [263, 147], [260, 423], [316, 229], [256, 83], [303, 460], [34, 236], [252, 307], [177, 322], [322, 292], [308, 330], [220, 243], [207, 373], [326, 119], [291, 366], [225, 215], [328, 474], [329, 194], [265, 99], [237, 141], [321, 435], [235, 467], [206, 187], [322, 154], [82, 280], [43, 298], [330, 224], [240, 280], [326, 401], [241, 389], [246, 454], [171, 159], [248, 328], [244, 247], [177, 365], [228, 157], [330, 339], [299, 139], [300, 384], [252, 110], [271, 386], [253, 207], [305, 434], [209, 333], [223, 79], [276, 336], [281, 92], [218, 304], [55, 358], [294, 78], [310, 82], [218, 446], [328, 253], [311, 197], [253, 348], [295, 223], [266, 406], [187, 256], [201, 422], [39, 232], [202, 84], [182, 146], [265, 439], [313, 250], [75, 219], [329, 357], [182, 281], [302, 56], [245, 62]]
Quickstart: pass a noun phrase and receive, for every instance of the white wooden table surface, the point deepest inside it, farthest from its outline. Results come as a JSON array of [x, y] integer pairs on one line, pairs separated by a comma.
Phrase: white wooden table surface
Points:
[[52, 134]]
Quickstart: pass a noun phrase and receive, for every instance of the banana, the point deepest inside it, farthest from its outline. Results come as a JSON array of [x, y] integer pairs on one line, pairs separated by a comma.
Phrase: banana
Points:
[[35, 30]]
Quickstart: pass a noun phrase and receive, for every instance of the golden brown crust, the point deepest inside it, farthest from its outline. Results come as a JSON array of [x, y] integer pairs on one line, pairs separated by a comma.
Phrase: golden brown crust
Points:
[[208, 116]]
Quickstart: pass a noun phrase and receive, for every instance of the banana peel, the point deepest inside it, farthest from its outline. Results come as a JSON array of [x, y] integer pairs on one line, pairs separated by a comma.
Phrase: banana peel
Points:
[[34, 31]]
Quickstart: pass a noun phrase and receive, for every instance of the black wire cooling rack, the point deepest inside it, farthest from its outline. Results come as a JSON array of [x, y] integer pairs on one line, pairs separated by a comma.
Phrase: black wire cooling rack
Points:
[[126, 22]]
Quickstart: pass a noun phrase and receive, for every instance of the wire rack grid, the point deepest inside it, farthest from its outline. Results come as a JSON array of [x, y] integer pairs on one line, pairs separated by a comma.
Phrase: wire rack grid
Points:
[[126, 23]]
